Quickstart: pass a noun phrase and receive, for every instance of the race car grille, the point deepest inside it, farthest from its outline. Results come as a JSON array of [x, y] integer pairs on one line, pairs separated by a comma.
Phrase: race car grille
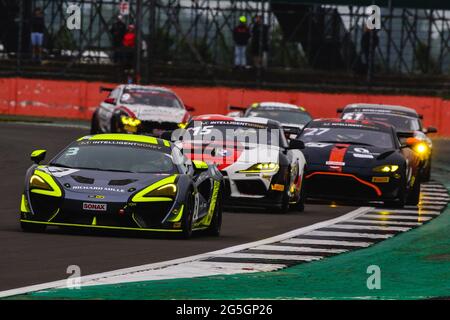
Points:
[[148, 126], [44, 206], [251, 187], [338, 186], [151, 215]]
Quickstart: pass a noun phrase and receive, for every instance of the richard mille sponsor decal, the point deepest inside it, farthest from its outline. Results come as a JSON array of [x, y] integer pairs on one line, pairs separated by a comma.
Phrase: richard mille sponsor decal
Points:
[[98, 188], [94, 206]]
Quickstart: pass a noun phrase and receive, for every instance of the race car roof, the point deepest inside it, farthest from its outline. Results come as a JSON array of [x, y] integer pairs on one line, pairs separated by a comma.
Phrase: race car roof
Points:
[[219, 117], [350, 124], [142, 87], [277, 105], [127, 137], [381, 108]]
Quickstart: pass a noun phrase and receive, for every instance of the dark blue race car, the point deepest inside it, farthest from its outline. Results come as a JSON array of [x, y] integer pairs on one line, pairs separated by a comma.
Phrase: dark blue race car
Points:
[[120, 181]]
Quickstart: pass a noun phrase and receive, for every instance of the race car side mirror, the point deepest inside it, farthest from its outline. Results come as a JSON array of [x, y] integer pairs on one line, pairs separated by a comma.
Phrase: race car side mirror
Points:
[[431, 130], [189, 108], [38, 155], [296, 144], [339, 110], [200, 165], [110, 100]]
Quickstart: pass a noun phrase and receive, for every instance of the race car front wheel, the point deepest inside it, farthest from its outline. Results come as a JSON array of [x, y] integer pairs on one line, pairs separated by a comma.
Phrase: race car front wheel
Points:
[[401, 198], [32, 227], [216, 222], [188, 216], [414, 194], [95, 128], [300, 205]]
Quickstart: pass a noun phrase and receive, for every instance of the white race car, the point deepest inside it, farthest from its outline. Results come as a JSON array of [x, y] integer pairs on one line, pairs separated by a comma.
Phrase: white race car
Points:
[[260, 168], [139, 109], [292, 117]]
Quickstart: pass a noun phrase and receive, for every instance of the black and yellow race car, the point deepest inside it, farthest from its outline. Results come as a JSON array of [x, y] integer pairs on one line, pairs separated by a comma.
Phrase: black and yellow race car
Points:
[[121, 181], [360, 160], [406, 121]]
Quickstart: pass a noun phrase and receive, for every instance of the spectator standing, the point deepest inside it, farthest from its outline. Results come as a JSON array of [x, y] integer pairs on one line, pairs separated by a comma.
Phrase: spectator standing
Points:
[[118, 30], [37, 34], [241, 35], [129, 45], [260, 42], [369, 42]]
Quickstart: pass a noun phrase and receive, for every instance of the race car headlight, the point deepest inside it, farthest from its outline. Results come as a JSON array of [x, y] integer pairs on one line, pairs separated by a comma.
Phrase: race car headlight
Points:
[[129, 121], [168, 190], [421, 148], [386, 168], [43, 183], [262, 167], [37, 182], [163, 190]]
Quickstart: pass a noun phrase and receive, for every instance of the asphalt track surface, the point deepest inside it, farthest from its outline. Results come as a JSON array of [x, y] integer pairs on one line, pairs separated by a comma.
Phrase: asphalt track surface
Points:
[[28, 259]]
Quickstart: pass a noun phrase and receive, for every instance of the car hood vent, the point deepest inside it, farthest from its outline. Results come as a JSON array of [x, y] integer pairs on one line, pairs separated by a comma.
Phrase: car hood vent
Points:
[[123, 182], [82, 179]]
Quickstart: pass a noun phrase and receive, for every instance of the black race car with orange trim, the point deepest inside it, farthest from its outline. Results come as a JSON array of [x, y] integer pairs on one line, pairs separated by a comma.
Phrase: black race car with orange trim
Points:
[[122, 182], [360, 160]]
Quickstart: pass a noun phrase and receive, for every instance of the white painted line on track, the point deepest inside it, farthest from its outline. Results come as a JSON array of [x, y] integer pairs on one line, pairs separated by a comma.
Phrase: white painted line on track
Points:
[[382, 228], [196, 269], [386, 222], [396, 217], [271, 256], [297, 249], [328, 242], [348, 234], [399, 211]]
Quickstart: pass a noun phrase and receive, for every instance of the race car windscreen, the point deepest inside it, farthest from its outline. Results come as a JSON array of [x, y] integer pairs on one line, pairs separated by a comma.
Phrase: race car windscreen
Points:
[[399, 122], [348, 135], [115, 157], [283, 116], [231, 131], [152, 98]]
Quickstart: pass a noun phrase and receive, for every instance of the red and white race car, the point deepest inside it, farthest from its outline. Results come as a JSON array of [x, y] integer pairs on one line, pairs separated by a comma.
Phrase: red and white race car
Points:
[[139, 109], [259, 166]]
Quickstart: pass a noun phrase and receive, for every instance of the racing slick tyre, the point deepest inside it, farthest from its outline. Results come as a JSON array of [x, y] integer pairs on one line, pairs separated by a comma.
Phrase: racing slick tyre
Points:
[[400, 201], [300, 205], [284, 206], [414, 194], [216, 222], [188, 217], [427, 172], [32, 227], [95, 128], [115, 128]]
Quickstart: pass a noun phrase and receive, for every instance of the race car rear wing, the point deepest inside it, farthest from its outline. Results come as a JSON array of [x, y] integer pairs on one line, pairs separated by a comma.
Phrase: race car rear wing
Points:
[[237, 108], [105, 89]]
